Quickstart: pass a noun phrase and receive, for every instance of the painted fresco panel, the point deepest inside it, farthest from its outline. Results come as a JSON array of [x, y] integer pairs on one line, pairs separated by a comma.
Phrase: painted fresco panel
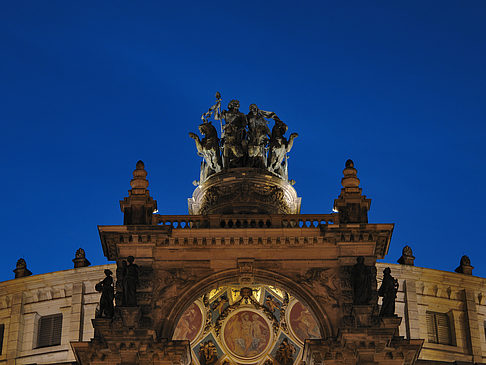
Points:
[[246, 334], [302, 323]]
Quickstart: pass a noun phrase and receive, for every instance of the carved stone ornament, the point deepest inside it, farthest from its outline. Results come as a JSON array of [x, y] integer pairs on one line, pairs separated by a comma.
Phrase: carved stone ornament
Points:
[[324, 283], [246, 276], [465, 266], [80, 259], [21, 269], [244, 191], [407, 257]]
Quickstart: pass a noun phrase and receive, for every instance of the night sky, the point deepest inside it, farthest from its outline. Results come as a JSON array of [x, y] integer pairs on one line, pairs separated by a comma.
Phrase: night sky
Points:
[[89, 88]]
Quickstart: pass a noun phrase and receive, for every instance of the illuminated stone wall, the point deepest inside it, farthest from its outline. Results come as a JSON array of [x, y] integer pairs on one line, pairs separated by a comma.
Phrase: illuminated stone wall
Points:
[[71, 292]]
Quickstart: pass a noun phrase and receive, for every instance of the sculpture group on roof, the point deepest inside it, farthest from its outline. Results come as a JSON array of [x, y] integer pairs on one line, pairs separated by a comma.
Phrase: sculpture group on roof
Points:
[[246, 140]]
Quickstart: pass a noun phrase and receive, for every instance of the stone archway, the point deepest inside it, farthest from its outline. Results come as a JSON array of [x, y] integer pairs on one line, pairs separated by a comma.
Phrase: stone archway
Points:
[[233, 320], [202, 286]]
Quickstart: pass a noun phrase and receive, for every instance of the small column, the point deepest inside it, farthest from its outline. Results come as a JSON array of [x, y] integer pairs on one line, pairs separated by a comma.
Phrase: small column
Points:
[[80, 259], [351, 204], [138, 207], [21, 269]]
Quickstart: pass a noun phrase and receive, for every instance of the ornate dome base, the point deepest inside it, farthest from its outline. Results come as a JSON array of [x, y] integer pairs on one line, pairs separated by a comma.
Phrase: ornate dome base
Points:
[[244, 191]]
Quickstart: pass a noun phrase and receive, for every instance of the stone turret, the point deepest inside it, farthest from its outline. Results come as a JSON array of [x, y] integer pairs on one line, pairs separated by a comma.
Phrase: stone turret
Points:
[[351, 204], [139, 206]]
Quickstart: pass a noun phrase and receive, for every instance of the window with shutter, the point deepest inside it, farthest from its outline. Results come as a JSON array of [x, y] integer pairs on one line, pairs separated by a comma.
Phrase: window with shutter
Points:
[[2, 329], [49, 330], [438, 328]]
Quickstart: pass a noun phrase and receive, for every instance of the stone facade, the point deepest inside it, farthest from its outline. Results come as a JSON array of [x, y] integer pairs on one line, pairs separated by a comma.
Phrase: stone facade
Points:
[[71, 292], [241, 274], [23, 301]]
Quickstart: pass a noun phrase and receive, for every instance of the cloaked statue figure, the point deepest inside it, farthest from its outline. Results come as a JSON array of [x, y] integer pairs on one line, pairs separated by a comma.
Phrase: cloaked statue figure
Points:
[[105, 287], [130, 283], [388, 290], [361, 279]]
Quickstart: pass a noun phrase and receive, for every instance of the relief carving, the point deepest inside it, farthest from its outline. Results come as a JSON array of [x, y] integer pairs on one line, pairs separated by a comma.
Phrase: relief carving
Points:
[[324, 284], [244, 192]]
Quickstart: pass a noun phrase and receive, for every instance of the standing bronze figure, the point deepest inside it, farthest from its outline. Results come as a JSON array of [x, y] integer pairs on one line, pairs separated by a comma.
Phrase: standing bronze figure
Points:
[[258, 135], [234, 143], [130, 283], [105, 287], [388, 290], [361, 279]]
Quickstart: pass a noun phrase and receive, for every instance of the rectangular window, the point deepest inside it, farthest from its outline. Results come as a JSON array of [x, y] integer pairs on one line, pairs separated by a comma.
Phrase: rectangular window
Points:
[[2, 329], [49, 330], [439, 328]]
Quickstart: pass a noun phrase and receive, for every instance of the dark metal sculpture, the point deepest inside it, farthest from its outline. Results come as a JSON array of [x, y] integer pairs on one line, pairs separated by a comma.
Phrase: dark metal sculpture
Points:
[[233, 137], [361, 279], [279, 147], [245, 140], [208, 148], [258, 135], [388, 290], [130, 283], [105, 287]]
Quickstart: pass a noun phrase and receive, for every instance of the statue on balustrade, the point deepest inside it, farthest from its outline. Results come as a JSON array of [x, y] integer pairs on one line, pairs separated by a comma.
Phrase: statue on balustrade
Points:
[[361, 280], [388, 290], [258, 135], [130, 283], [208, 148], [105, 287], [279, 147]]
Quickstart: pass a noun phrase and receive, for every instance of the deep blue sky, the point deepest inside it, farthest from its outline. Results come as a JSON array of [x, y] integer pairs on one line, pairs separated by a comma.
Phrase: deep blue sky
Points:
[[89, 88]]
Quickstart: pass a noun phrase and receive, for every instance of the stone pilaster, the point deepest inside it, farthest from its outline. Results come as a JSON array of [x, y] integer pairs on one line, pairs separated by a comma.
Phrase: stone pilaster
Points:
[[411, 309], [14, 338], [473, 325], [76, 316]]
